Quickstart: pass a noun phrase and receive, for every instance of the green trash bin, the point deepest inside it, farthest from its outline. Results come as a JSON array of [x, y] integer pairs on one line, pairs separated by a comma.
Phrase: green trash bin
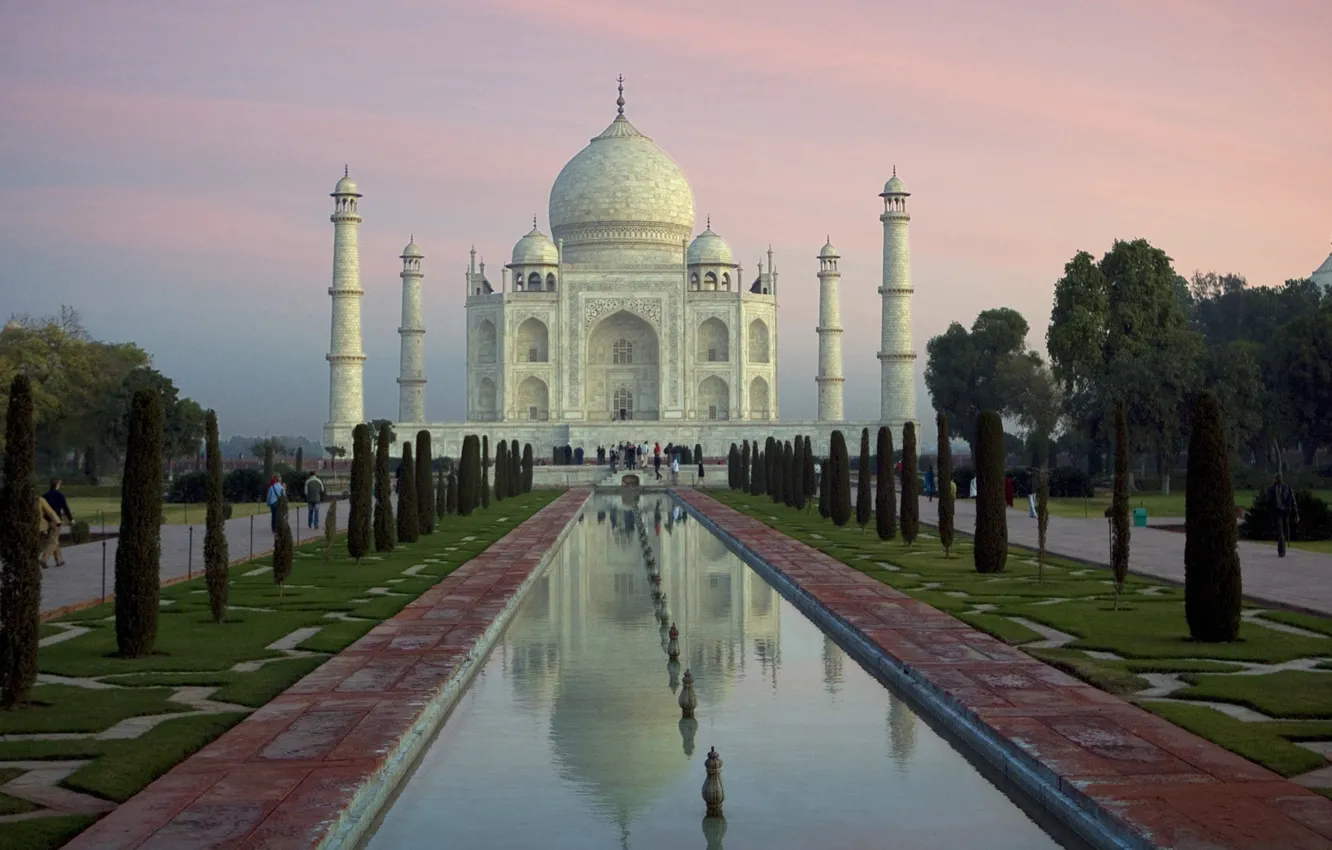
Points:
[[1140, 517]]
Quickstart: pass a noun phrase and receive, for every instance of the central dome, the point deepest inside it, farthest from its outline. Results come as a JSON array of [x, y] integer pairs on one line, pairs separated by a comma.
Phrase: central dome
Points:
[[622, 188]]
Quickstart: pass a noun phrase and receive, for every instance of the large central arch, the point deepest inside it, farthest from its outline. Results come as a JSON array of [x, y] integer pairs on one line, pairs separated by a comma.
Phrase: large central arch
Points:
[[623, 361]]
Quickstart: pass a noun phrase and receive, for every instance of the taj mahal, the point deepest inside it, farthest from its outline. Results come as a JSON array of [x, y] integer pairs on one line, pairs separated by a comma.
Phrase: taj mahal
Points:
[[620, 324]]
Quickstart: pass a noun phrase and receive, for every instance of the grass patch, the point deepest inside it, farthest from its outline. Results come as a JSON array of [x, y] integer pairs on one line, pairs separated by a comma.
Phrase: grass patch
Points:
[[44, 833], [64, 708], [1001, 627], [1188, 666], [337, 636], [1322, 625], [1107, 677], [257, 688], [13, 805], [1285, 693], [1258, 742]]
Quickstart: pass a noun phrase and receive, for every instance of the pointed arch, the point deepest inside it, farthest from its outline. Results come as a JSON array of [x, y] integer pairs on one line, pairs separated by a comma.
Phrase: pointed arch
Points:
[[758, 342], [759, 405], [714, 399], [485, 343], [714, 341]]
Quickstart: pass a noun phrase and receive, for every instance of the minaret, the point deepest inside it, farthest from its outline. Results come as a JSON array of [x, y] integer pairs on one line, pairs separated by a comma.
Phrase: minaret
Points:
[[411, 364], [897, 356], [830, 378], [346, 359]]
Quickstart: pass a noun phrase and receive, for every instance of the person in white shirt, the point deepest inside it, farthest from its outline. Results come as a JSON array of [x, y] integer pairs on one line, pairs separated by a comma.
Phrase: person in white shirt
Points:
[[675, 469]]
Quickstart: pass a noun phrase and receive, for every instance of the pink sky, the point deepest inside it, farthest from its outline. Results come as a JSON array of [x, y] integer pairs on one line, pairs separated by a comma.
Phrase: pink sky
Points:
[[165, 167]]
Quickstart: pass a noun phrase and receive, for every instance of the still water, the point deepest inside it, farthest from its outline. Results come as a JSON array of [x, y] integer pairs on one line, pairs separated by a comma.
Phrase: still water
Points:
[[571, 735]]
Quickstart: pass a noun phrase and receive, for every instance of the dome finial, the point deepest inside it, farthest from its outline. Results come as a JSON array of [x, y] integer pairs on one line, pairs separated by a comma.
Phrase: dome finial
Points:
[[619, 101], [344, 170], [534, 227], [709, 221], [894, 169]]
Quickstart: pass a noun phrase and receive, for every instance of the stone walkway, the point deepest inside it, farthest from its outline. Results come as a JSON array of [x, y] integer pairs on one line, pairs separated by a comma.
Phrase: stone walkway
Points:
[[1300, 580], [1163, 784], [79, 582], [298, 768]]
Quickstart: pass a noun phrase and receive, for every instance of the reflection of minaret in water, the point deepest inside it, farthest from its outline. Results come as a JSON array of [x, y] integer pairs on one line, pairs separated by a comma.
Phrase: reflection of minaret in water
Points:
[[832, 665], [901, 731]]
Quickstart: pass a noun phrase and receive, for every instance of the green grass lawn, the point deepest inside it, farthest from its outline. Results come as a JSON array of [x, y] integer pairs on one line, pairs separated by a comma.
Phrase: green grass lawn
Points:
[[95, 510], [1156, 504], [1148, 633], [191, 650]]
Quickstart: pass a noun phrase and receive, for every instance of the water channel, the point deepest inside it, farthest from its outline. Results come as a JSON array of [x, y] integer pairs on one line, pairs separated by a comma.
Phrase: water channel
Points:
[[571, 736]]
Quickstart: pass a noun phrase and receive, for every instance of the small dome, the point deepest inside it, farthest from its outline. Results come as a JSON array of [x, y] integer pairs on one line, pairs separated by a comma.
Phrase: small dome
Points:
[[828, 251], [411, 250], [895, 186], [1323, 274], [535, 249], [710, 249], [346, 186]]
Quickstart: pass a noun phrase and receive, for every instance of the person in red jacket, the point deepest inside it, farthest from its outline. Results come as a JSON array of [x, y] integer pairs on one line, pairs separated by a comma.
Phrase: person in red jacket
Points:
[[1010, 489]]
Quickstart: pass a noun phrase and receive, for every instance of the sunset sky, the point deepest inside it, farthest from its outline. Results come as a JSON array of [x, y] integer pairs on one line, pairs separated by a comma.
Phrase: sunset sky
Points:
[[165, 166]]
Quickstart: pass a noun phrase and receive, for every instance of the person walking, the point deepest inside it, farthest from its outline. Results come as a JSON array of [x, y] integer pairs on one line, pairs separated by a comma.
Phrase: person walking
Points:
[[274, 499], [929, 482], [58, 503], [1285, 509], [656, 461], [675, 470], [314, 494], [700, 470], [48, 527]]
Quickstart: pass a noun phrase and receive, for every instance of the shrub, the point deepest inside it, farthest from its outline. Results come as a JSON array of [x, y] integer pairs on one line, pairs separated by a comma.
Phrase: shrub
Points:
[[1212, 583], [359, 504], [515, 469], [79, 532], [885, 520], [383, 493], [244, 485], [217, 557], [189, 487], [139, 550], [441, 495], [945, 479], [469, 475], [864, 483], [227, 510], [1119, 503], [293, 479], [300, 459], [1315, 521], [407, 510], [527, 467], [20, 546], [282, 548], [839, 487], [733, 467], [991, 541], [759, 480], [910, 486]]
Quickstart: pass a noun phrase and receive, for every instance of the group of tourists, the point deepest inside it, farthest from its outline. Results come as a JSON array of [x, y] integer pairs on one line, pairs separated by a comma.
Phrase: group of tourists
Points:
[[636, 456], [314, 495]]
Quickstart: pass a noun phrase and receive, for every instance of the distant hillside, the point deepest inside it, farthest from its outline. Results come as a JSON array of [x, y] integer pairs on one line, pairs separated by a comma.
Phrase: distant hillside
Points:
[[239, 447]]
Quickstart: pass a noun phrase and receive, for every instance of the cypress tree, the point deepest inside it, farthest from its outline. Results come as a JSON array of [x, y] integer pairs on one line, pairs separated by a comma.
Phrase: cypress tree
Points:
[[330, 528], [910, 487], [282, 548], [408, 512], [20, 548], [217, 558], [1119, 503], [139, 549], [469, 475], [744, 466], [1042, 520], [780, 469], [300, 457], [945, 487], [441, 495], [807, 474], [885, 519], [863, 505], [755, 473], [825, 489], [451, 493], [359, 510], [1213, 586], [485, 472], [733, 467], [383, 492], [501, 470], [798, 475], [769, 446], [268, 463], [527, 467], [991, 541], [839, 483], [515, 469], [425, 490]]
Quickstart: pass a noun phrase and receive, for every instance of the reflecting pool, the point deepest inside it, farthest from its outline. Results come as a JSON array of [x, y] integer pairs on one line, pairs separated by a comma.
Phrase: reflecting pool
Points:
[[571, 735]]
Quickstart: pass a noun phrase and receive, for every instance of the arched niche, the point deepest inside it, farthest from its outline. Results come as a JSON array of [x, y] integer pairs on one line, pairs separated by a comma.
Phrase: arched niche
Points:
[[623, 353], [533, 341], [759, 405], [486, 398], [758, 342], [714, 399], [714, 341], [533, 399], [485, 345]]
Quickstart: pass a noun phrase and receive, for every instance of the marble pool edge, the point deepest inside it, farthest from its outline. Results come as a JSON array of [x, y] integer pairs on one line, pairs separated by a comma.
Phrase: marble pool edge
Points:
[[1075, 810], [363, 810]]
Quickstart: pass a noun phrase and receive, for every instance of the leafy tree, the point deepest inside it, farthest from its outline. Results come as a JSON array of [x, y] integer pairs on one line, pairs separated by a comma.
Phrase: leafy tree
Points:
[[1303, 359], [1213, 588], [1234, 374], [839, 484], [485, 472], [910, 487], [217, 558], [408, 512], [469, 475], [885, 523], [863, 506], [383, 491], [501, 470], [966, 371], [798, 493], [527, 467], [335, 452], [283, 550], [139, 549], [991, 540], [1035, 401], [377, 425], [20, 544], [945, 485], [425, 492], [1119, 503], [359, 508]]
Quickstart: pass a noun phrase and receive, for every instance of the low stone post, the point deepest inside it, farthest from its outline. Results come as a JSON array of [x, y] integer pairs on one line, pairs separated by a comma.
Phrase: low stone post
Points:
[[688, 699], [713, 792]]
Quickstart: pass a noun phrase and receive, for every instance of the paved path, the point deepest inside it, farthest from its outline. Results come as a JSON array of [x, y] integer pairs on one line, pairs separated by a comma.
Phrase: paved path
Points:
[[1300, 580], [1150, 778], [80, 580], [290, 772]]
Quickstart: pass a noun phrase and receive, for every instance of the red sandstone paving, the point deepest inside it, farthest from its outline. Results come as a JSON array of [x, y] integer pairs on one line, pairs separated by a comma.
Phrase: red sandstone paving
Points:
[[282, 777], [1170, 786]]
